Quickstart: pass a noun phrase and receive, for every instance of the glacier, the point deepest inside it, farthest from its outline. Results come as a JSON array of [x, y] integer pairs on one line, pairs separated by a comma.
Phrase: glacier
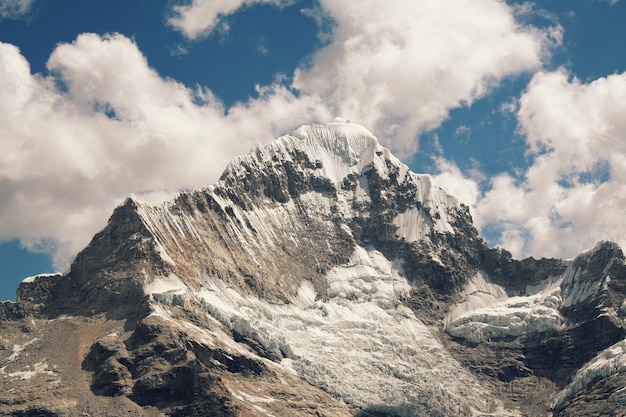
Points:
[[487, 311], [362, 345]]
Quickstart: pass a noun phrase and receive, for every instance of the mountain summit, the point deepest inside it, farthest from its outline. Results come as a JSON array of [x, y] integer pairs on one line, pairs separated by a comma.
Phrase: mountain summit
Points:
[[318, 277]]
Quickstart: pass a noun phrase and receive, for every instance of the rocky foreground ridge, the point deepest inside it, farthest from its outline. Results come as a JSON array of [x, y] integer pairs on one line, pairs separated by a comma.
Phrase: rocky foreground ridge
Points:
[[318, 277]]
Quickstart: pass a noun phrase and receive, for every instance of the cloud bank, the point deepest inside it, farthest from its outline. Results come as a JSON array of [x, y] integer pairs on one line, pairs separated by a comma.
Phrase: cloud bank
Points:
[[413, 61], [102, 124], [574, 192], [399, 68]]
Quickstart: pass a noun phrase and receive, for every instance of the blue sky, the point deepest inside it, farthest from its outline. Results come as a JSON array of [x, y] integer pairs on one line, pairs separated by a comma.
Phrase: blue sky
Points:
[[517, 108]]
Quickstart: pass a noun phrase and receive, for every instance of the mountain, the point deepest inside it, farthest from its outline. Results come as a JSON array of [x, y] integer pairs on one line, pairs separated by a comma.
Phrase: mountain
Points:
[[318, 277]]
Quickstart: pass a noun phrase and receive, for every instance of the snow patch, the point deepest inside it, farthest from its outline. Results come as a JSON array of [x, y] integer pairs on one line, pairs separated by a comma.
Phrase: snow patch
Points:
[[242, 396], [38, 368], [479, 293], [213, 338], [370, 277], [17, 349], [575, 288], [167, 289], [163, 254], [342, 148], [164, 284], [30, 280], [433, 214], [412, 225]]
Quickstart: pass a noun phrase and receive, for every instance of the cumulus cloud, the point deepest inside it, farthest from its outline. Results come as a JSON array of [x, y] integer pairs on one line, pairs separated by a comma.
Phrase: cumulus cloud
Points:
[[574, 192], [402, 72], [399, 68], [15, 9], [201, 17], [105, 125], [465, 188]]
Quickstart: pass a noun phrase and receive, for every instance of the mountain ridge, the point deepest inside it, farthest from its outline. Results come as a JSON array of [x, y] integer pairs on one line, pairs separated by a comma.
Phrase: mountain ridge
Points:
[[322, 260]]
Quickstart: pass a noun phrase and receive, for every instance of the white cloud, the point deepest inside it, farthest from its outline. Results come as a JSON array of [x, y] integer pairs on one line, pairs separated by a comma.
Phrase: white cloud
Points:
[[261, 46], [412, 61], [201, 17], [399, 68], [323, 20], [15, 9], [66, 162], [463, 134], [574, 193], [104, 124], [450, 177]]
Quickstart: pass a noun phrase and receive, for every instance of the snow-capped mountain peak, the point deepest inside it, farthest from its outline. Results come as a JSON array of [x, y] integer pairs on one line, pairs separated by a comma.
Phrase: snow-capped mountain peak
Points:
[[332, 150], [318, 276]]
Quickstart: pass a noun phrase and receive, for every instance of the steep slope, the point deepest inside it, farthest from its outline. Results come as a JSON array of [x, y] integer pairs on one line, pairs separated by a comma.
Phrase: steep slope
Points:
[[318, 276]]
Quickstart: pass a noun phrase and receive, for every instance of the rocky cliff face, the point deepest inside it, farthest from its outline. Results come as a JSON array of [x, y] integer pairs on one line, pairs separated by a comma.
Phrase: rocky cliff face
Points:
[[319, 276]]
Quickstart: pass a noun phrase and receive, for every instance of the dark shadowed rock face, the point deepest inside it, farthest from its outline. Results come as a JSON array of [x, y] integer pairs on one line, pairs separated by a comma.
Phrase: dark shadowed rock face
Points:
[[317, 277]]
